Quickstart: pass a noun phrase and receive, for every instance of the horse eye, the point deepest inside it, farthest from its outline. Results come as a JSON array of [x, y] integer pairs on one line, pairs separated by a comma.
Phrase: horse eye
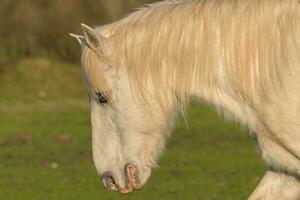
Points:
[[101, 98]]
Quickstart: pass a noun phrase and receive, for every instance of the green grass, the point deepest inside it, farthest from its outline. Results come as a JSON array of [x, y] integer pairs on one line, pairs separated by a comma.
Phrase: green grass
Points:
[[45, 145]]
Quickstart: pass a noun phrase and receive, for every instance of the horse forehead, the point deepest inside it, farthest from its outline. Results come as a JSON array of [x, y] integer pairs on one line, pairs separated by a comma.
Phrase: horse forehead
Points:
[[97, 73]]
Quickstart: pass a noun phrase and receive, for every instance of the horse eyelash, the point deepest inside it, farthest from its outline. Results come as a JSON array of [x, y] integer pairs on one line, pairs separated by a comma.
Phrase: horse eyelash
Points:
[[101, 98]]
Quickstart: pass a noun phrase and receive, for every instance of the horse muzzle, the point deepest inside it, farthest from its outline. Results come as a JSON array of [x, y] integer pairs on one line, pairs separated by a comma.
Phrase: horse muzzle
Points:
[[132, 180]]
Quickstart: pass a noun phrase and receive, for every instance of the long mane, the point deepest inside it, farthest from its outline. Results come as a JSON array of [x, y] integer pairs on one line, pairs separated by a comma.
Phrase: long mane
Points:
[[239, 44]]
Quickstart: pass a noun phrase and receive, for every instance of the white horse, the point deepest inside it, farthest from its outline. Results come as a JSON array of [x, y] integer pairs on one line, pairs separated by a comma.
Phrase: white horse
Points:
[[242, 56]]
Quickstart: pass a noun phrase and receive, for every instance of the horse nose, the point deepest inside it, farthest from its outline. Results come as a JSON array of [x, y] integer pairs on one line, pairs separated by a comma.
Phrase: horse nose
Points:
[[109, 182]]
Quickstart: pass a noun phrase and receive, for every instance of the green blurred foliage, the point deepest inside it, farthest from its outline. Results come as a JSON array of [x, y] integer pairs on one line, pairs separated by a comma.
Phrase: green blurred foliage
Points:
[[40, 27]]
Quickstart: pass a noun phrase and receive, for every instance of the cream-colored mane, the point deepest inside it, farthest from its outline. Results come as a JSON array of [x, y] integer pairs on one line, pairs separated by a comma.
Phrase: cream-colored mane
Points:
[[243, 44]]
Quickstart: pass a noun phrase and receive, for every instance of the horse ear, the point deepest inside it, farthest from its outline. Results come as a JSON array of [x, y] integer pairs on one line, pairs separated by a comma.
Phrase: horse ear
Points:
[[94, 41], [79, 38]]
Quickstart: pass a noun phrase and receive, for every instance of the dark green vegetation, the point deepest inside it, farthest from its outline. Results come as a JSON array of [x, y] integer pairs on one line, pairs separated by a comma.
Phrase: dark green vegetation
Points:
[[45, 145]]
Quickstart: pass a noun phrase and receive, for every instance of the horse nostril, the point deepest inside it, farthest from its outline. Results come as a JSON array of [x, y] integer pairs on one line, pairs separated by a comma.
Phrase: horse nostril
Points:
[[133, 176], [109, 181]]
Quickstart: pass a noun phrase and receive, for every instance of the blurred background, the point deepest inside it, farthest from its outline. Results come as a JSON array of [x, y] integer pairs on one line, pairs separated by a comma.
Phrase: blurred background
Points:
[[45, 136]]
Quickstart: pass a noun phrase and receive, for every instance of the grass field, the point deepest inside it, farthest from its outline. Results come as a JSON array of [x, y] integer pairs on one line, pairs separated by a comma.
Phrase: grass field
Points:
[[45, 145]]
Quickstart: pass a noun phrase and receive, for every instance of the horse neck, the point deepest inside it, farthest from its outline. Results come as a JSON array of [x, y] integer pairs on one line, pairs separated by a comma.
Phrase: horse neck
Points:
[[224, 98]]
